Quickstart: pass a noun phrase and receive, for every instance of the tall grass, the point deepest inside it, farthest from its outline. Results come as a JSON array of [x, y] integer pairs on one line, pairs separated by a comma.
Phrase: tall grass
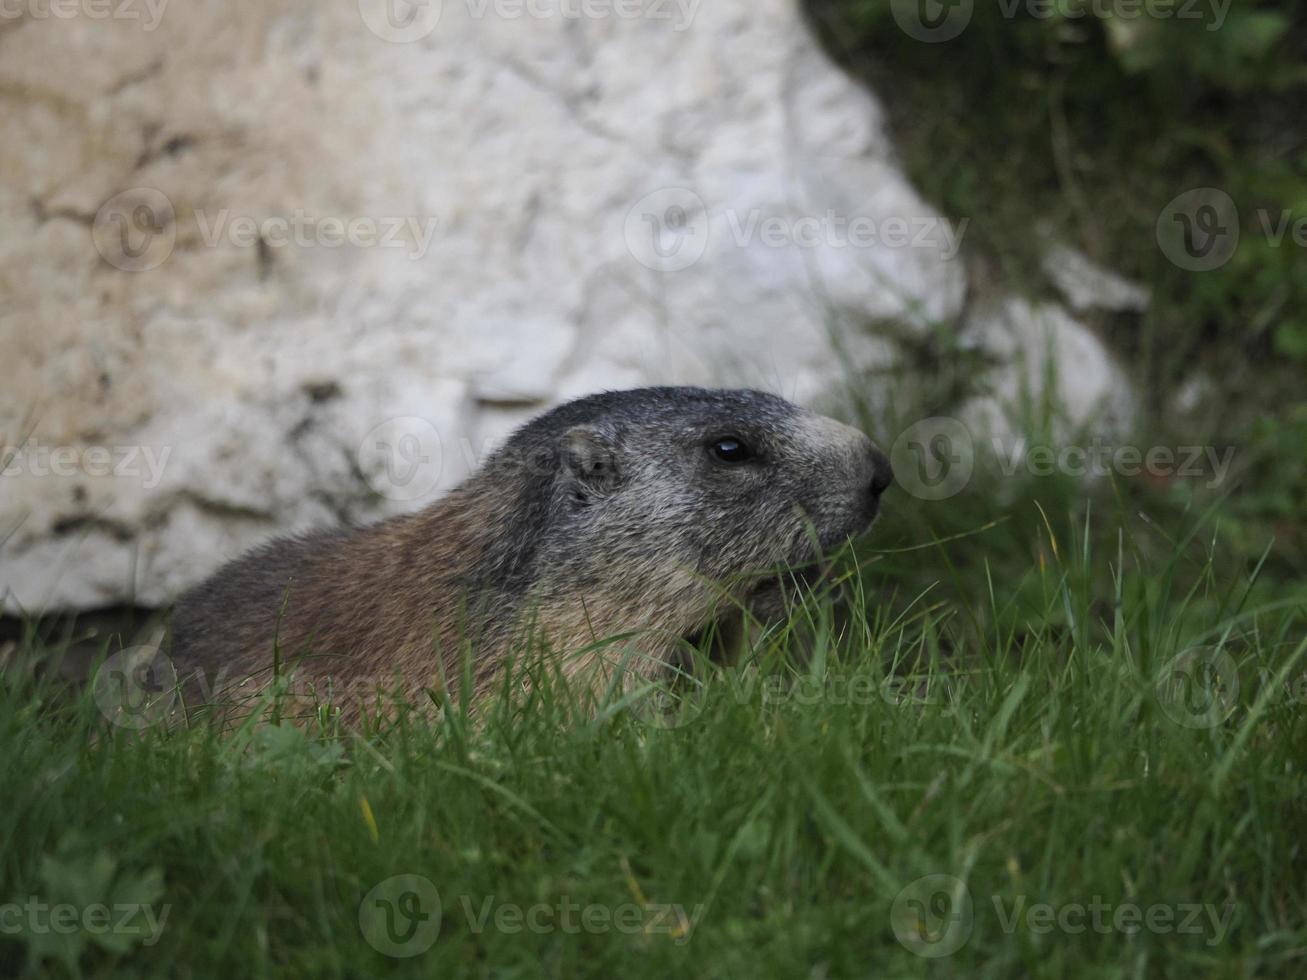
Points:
[[1053, 743]]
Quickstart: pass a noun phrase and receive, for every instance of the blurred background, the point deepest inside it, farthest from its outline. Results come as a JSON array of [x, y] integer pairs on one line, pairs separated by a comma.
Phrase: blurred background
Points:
[[276, 264]]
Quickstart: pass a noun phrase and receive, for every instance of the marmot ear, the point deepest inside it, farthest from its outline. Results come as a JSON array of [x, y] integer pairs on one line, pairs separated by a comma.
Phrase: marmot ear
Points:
[[590, 456]]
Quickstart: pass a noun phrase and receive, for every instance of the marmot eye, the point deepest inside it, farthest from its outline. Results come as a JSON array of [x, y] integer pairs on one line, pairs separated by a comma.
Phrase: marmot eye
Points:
[[730, 450]]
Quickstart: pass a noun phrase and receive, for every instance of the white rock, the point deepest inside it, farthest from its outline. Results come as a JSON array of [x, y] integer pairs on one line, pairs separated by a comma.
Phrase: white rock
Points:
[[347, 245], [1054, 376], [523, 357], [1088, 286]]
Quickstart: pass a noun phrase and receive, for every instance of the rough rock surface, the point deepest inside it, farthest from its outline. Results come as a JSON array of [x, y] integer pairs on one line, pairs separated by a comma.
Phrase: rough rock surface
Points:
[[1051, 370], [271, 263], [1088, 286]]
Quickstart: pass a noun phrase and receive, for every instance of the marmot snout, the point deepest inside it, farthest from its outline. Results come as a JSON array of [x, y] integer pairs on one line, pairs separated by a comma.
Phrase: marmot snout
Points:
[[628, 513]]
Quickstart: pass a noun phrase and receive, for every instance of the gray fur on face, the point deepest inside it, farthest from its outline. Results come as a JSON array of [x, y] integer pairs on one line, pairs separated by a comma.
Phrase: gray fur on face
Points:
[[625, 484]]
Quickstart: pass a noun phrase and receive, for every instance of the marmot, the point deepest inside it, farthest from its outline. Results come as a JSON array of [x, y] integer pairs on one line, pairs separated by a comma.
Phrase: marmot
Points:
[[626, 513]]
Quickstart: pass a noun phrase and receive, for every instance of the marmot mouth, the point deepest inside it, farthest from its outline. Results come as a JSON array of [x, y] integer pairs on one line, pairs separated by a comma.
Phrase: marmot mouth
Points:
[[793, 579], [767, 597], [772, 595], [767, 600]]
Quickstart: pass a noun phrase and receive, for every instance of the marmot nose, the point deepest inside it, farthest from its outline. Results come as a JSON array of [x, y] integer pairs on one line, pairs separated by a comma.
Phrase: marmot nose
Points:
[[882, 473]]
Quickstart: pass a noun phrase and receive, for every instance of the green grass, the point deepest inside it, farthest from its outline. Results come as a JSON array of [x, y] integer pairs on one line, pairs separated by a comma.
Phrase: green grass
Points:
[[984, 704]]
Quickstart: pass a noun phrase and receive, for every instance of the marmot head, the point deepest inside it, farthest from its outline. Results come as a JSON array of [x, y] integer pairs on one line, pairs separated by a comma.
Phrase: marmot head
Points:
[[644, 495]]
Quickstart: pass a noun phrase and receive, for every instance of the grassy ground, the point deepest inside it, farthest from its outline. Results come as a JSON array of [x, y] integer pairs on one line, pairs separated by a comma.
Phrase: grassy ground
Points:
[[990, 764]]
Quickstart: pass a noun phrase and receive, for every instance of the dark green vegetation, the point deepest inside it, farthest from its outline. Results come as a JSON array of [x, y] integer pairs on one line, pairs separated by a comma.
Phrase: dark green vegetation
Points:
[[1079, 122], [1086, 125]]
